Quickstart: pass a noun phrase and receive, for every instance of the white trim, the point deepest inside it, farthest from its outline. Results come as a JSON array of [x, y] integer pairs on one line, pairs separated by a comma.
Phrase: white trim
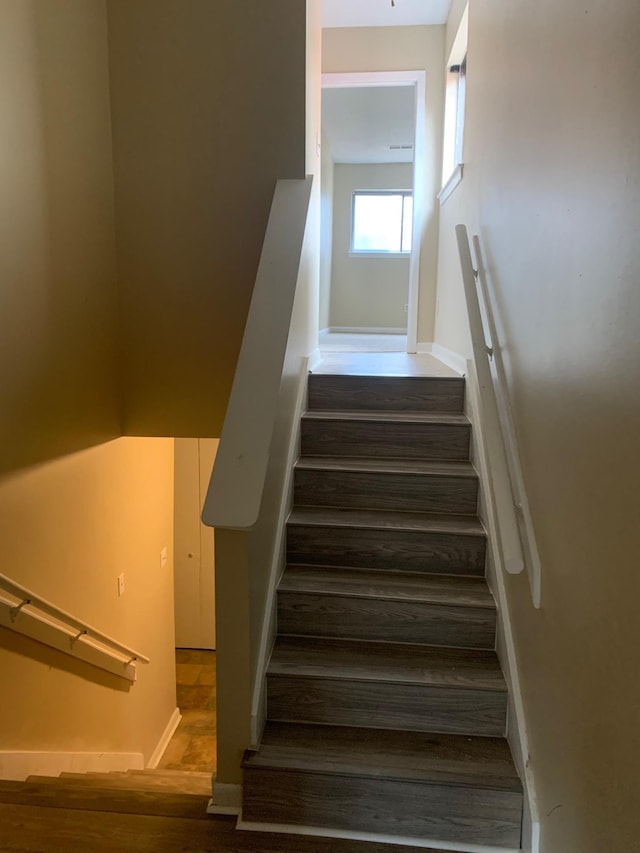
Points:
[[418, 79], [452, 359], [18, 766], [315, 358], [366, 330], [451, 184], [165, 737], [267, 633], [516, 734], [227, 799], [325, 832]]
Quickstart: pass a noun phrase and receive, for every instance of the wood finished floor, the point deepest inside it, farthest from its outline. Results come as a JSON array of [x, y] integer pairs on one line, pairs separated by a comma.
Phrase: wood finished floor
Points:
[[193, 746], [36, 829]]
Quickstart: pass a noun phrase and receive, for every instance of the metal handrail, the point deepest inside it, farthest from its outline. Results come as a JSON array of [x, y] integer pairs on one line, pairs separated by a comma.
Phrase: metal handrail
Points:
[[28, 598]]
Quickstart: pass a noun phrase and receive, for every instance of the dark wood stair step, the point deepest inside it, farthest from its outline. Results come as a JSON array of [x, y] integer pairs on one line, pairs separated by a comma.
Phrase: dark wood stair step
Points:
[[386, 393], [393, 484], [393, 586], [393, 607], [392, 434], [412, 784], [376, 539], [401, 663], [383, 685]]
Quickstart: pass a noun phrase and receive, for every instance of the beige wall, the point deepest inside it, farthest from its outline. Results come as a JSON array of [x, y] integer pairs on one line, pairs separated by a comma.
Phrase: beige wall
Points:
[[208, 106], [552, 184], [326, 231], [366, 292], [68, 528], [71, 518], [57, 254], [405, 49]]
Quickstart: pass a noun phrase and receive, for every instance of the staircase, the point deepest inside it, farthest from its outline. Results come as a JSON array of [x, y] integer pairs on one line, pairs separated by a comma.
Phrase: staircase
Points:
[[386, 705]]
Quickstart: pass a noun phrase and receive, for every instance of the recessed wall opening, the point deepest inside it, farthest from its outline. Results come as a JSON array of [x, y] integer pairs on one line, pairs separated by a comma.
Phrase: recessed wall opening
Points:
[[370, 226]]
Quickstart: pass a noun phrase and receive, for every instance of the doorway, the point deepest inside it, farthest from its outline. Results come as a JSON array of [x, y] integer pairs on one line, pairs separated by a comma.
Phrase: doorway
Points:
[[372, 221]]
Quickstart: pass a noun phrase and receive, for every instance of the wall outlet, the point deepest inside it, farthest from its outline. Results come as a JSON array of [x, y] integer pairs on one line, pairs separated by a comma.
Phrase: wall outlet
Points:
[[120, 585], [164, 556]]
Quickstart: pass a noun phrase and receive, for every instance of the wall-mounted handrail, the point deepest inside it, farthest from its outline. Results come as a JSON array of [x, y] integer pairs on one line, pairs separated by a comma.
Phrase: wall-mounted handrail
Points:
[[516, 531], [28, 615]]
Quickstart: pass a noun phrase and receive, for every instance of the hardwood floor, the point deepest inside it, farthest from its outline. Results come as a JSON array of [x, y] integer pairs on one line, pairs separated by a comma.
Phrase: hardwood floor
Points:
[[40, 829]]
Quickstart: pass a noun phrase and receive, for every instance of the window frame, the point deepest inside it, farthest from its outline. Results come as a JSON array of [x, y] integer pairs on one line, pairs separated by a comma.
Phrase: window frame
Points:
[[380, 253], [454, 119]]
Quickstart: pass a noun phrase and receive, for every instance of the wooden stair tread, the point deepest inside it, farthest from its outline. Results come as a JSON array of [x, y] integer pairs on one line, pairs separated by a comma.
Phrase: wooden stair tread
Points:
[[387, 519], [387, 466], [145, 780], [354, 660], [458, 591], [483, 762], [380, 416], [61, 792]]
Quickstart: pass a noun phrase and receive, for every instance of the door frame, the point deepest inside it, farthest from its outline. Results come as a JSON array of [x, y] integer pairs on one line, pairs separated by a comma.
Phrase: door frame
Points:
[[368, 79]]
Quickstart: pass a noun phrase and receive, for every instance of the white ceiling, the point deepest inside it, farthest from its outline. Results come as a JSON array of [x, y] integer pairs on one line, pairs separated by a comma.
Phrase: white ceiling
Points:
[[361, 123], [380, 13]]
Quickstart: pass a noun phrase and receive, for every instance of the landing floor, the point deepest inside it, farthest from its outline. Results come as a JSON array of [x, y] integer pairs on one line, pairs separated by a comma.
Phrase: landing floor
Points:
[[375, 355], [193, 746]]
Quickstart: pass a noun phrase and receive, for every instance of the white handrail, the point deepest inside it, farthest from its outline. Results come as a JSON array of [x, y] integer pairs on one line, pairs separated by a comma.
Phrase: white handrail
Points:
[[516, 476], [509, 534], [67, 633], [516, 532]]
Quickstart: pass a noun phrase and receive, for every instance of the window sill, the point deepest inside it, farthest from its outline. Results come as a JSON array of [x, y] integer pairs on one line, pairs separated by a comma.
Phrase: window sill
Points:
[[452, 183], [392, 255]]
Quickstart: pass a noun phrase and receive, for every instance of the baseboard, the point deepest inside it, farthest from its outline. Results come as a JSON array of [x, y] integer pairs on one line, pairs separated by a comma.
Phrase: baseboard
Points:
[[452, 359], [517, 734], [366, 330], [18, 765], [372, 837], [227, 799], [163, 743]]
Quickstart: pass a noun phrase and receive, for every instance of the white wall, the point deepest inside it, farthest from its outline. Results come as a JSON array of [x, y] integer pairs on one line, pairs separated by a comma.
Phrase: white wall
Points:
[[366, 292], [552, 185], [405, 49]]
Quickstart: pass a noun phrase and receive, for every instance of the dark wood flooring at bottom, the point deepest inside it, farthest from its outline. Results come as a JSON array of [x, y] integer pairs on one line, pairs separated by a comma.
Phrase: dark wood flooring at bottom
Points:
[[37, 829]]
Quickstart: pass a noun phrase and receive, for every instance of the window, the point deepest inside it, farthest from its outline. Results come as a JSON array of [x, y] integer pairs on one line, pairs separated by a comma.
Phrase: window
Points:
[[381, 221], [455, 94], [454, 117]]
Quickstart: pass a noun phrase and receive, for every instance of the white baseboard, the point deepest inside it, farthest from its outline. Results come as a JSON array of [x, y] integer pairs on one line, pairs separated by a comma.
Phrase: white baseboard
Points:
[[452, 359], [374, 837], [163, 743], [18, 765], [366, 330], [227, 799]]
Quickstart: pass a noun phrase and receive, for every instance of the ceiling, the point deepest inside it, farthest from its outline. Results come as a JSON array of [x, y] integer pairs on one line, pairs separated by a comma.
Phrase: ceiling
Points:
[[380, 13], [361, 123]]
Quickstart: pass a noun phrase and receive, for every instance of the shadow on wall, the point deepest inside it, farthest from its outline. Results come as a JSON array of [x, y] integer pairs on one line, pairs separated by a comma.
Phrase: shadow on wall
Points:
[[18, 644]]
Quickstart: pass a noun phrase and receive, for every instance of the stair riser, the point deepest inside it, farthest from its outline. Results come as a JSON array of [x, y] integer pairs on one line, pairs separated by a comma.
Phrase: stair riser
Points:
[[411, 809], [307, 614], [407, 551], [407, 492], [411, 707], [372, 440], [386, 393]]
